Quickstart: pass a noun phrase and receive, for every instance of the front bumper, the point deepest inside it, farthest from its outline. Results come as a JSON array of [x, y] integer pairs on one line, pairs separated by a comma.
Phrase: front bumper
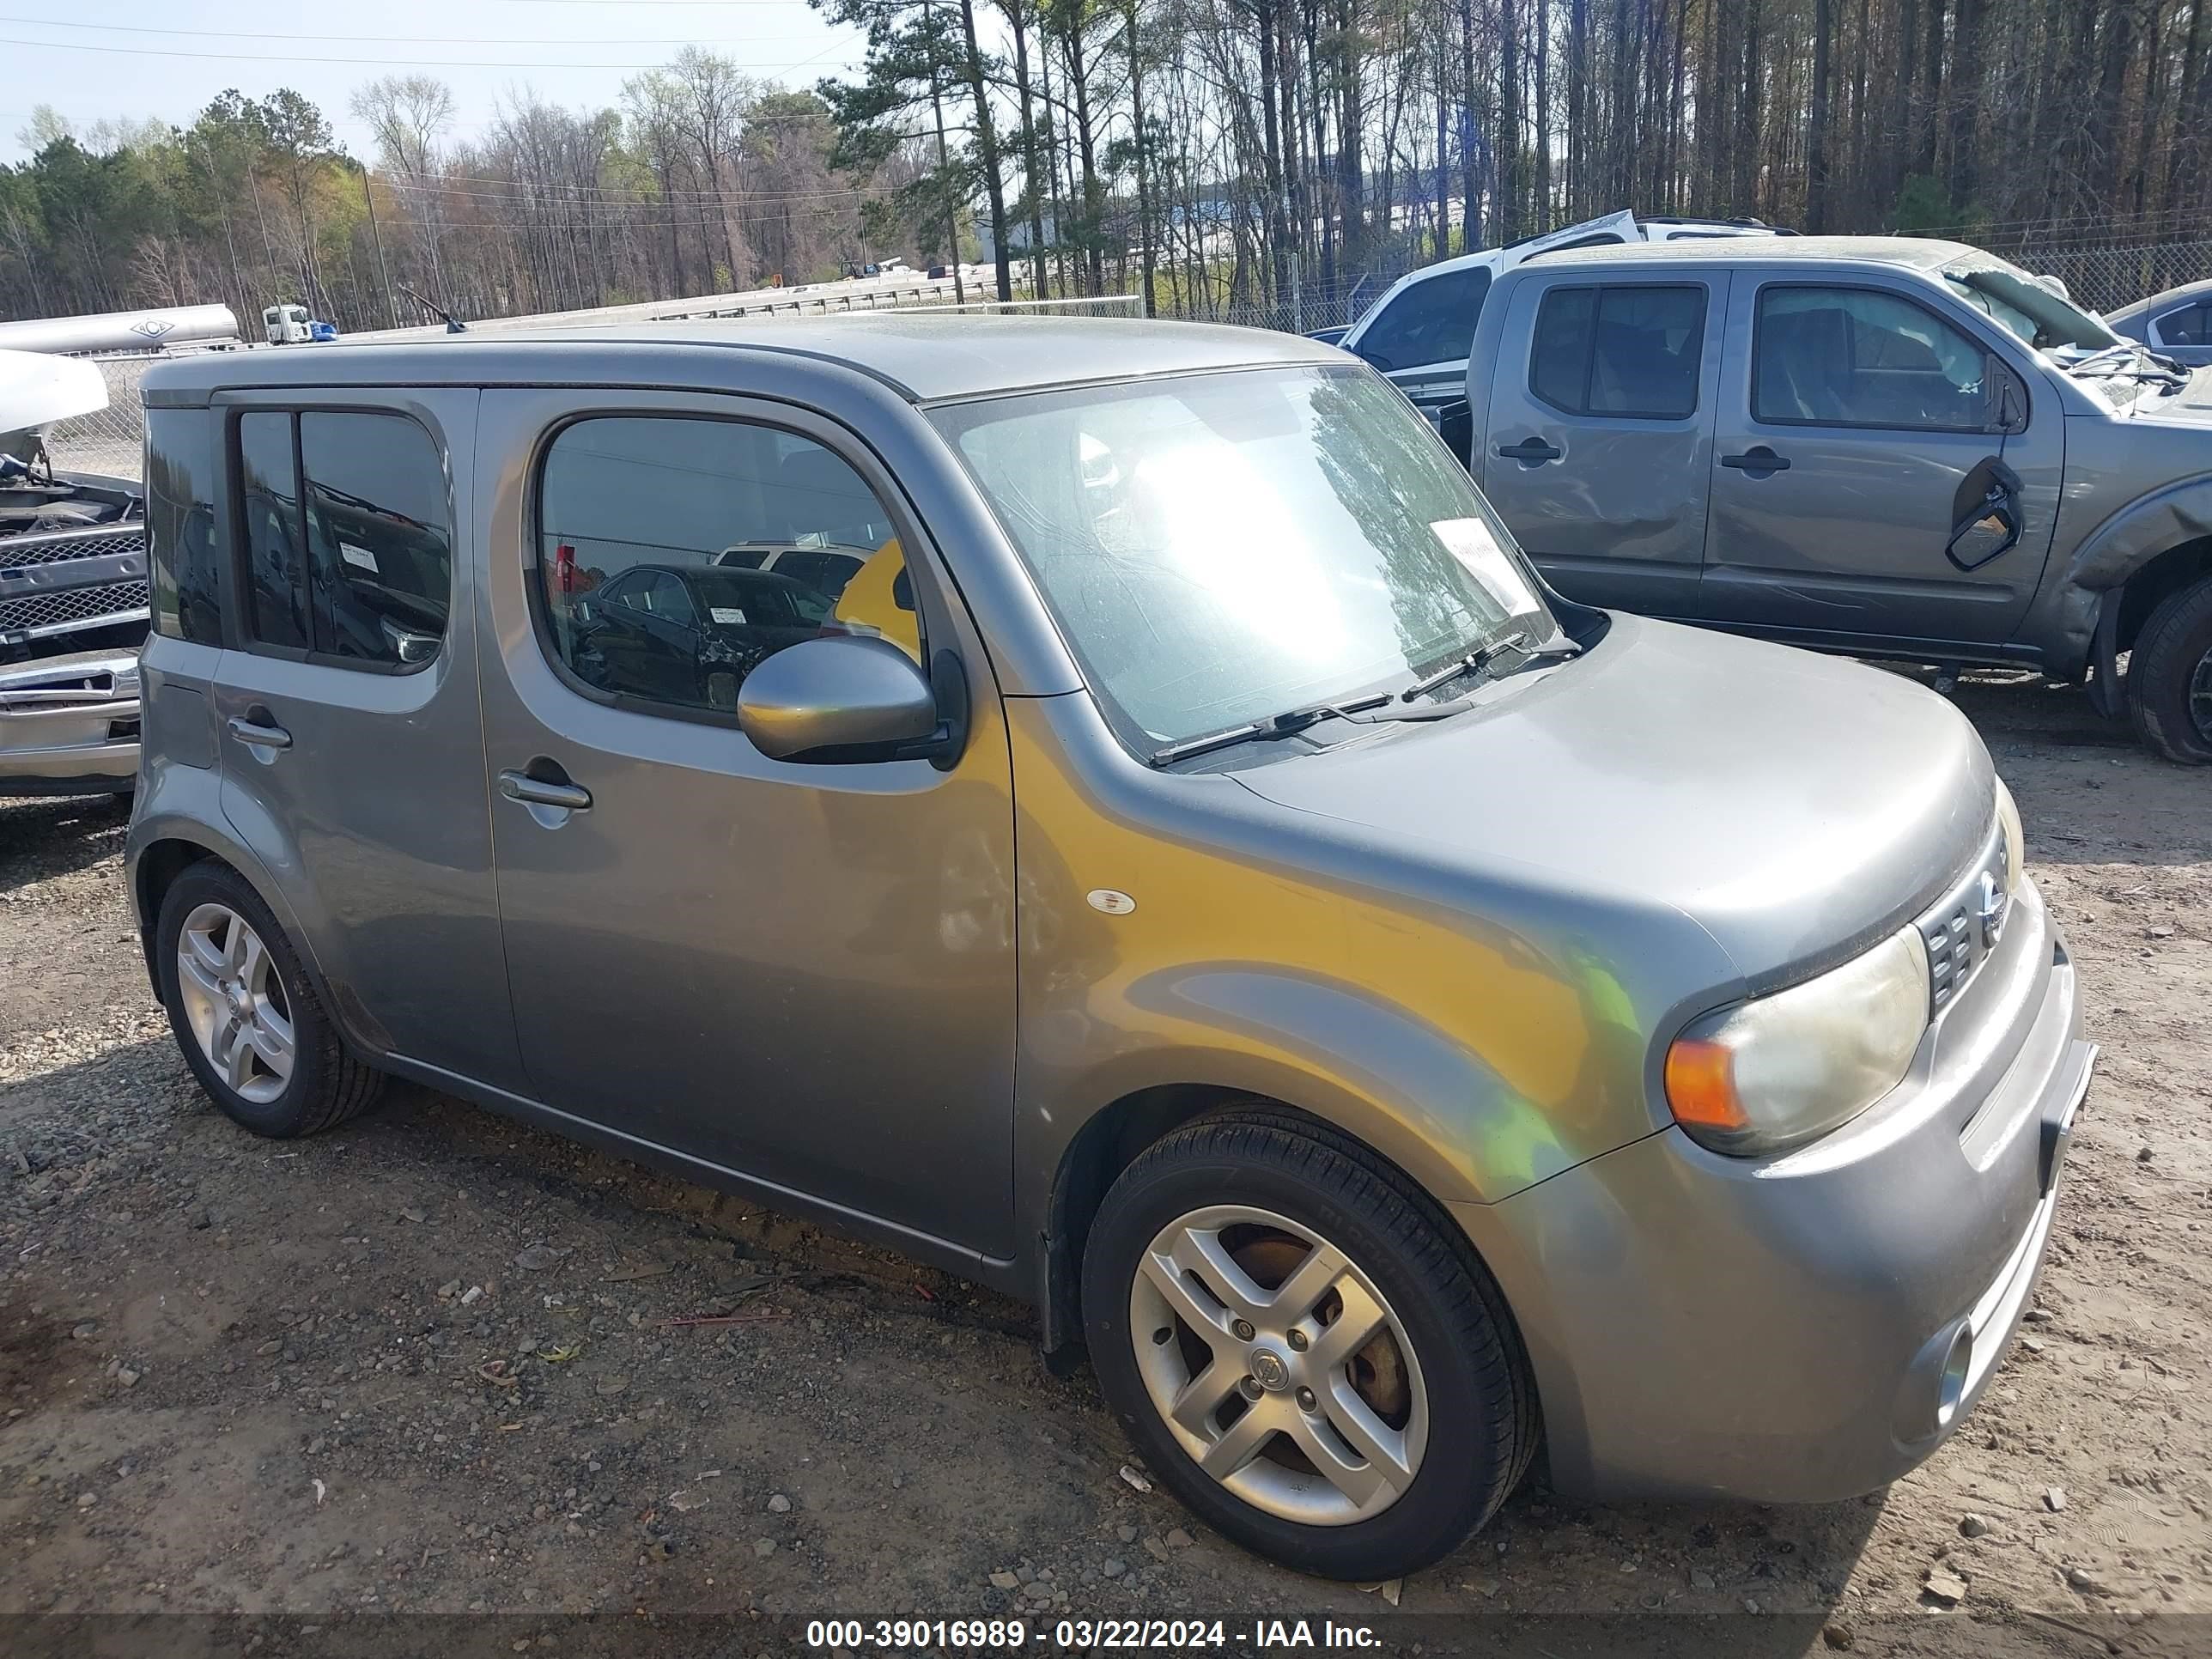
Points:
[[70, 724], [1811, 1326]]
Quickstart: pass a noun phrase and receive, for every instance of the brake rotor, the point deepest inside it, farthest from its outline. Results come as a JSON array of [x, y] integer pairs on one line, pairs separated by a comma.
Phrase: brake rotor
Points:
[[1379, 1369]]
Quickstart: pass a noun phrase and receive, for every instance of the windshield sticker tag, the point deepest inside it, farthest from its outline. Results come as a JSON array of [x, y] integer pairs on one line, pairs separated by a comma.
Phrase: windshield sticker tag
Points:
[[353, 554], [1470, 542], [728, 615]]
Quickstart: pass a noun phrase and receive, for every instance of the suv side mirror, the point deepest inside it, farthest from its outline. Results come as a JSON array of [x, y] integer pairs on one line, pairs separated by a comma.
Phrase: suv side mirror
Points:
[[846, 697]]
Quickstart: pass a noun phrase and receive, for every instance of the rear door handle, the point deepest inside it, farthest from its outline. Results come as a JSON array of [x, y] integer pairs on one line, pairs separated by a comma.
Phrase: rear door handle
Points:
[[536, 792], [258, 734], [1759, 460], [1531, 452]]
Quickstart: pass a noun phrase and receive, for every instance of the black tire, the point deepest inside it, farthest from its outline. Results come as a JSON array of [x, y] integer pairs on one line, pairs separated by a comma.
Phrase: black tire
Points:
[[1482, 1396], [2175, 646], [328, 1085]]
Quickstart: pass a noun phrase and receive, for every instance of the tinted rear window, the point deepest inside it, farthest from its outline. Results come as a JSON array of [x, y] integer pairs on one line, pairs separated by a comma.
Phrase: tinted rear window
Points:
[[181, 525], [1627, 352]]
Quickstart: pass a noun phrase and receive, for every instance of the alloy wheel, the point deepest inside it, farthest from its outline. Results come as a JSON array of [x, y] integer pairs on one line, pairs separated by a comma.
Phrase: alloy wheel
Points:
[[234, 1002], [1277, 1366]]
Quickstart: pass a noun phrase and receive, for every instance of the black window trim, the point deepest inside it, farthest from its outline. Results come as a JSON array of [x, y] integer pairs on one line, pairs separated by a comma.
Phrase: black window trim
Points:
[[239, 632], [1989, 354], [1590, 358], [533, 554]]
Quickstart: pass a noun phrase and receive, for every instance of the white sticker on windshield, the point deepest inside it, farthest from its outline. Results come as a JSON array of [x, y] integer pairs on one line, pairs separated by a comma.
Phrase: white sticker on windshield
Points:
[[354, 555], [728, 615], [1472, 544]]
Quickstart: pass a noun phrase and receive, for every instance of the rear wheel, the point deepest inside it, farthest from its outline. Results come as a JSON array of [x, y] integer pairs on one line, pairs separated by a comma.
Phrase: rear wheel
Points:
[[245, 1014], [2170, 676], [1301, 1347]]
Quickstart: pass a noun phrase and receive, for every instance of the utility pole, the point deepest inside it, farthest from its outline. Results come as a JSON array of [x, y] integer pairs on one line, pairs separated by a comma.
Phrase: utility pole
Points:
[[937, 106], [383, 275]]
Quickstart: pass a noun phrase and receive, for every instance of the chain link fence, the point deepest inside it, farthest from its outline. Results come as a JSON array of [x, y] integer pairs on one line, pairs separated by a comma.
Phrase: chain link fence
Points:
[[2100, 276], [2105, 278], [110, 441]]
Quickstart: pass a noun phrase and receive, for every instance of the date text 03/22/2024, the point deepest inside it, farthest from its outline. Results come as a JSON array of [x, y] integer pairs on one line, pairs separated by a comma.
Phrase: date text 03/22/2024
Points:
[[1091, 1635]]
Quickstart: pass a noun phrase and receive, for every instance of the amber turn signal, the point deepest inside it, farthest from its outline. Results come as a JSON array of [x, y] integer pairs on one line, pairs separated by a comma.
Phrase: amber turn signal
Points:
[[1701, 1086]]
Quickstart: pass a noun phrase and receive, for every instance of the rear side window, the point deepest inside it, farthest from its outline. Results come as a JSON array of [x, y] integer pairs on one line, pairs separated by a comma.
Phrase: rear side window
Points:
[[344, 532], [1845, 357], [676, 554], [1430, 322], [1631, 353], [2191, 325], [181, 525]]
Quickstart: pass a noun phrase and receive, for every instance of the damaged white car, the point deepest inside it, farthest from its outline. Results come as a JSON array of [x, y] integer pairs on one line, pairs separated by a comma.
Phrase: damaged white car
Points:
[[73, 594]]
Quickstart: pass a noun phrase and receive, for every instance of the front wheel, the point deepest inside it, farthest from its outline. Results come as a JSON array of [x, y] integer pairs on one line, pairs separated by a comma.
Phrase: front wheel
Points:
[[2170, 676], [1300, 1346]]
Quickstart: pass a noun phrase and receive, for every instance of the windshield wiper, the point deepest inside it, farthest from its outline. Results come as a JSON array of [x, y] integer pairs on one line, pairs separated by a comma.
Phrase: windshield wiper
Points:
[[2141, 365], [1481, 663], [1290, 722]]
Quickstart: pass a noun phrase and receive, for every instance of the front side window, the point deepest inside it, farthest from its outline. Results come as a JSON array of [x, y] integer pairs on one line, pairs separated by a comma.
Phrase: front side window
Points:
[[1844, 356], [1219, 549], [1634, 353], [181, 536], [354, 565], [677, 554], [1430, 322]]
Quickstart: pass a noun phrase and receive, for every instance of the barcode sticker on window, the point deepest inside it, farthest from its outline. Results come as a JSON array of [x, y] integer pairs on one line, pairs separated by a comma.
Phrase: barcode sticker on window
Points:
[[352, 553], [1470, 542], [728, 615]]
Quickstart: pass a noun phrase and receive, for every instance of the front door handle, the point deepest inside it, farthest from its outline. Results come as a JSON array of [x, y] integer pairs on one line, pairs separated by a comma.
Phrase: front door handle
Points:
[[262, 733], [1531, 452], [1759, 461], [538, 791]]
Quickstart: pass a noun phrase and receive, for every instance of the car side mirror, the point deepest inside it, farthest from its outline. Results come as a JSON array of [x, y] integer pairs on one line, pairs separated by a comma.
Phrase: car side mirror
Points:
[[844, 697], [1991, 525]]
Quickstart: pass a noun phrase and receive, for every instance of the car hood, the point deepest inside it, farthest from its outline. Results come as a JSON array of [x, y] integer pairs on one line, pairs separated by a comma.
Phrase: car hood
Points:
[[1796, 806]]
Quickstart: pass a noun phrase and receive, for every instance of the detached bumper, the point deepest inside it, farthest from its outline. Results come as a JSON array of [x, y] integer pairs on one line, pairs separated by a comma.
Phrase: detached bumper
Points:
[[70, 724], [1808, 1327]]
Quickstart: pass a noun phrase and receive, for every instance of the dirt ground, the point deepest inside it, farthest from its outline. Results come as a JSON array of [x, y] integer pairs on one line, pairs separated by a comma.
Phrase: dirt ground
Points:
[[426, 1363]]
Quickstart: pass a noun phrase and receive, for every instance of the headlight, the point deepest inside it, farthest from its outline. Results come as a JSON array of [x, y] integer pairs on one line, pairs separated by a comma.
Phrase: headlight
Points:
[[2015, 842], [1784, 1068]]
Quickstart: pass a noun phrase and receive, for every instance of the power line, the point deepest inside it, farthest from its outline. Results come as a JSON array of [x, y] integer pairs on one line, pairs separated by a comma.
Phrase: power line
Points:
[[383, 40], [361, 63]]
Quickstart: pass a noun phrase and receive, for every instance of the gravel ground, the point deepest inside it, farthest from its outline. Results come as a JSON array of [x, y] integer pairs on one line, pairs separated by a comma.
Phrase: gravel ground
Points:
[[434, 1362]]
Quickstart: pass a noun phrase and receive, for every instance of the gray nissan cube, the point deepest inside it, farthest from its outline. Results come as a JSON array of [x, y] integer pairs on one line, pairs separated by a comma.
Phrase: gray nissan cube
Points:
[[1107, 810]]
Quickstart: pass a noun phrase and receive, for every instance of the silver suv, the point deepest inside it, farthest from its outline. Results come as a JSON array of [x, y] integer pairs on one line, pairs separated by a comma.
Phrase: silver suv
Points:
[[1196, 878]]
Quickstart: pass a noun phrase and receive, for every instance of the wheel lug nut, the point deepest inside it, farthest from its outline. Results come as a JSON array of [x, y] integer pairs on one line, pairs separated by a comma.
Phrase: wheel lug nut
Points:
[[1305, 1399], [1298, 1340], [1251, 1385], [1243, 1329]]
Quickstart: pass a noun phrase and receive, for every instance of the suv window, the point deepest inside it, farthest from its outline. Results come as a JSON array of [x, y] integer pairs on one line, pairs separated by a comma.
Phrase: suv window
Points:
[[1632, 352], [1844, 356], [356, 569], [181, 525], [675, 552], [1430, 322], [2191, 325]]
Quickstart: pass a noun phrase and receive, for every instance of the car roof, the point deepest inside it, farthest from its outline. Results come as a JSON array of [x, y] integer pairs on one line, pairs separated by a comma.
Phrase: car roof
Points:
[[2172, 296], [1909, 253], [923, 358]]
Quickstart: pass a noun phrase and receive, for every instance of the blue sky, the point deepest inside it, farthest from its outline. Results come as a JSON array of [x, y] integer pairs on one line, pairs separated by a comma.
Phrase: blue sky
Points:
[[165, 58]]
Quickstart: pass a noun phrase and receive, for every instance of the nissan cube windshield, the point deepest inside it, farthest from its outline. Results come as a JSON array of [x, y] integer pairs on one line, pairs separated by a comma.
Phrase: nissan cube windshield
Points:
[[1234, 556]]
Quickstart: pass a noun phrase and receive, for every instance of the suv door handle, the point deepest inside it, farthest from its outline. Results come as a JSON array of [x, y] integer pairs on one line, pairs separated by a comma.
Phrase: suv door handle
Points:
[[1531, 452], [1759, 461], [259, 733], [536, 792]]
